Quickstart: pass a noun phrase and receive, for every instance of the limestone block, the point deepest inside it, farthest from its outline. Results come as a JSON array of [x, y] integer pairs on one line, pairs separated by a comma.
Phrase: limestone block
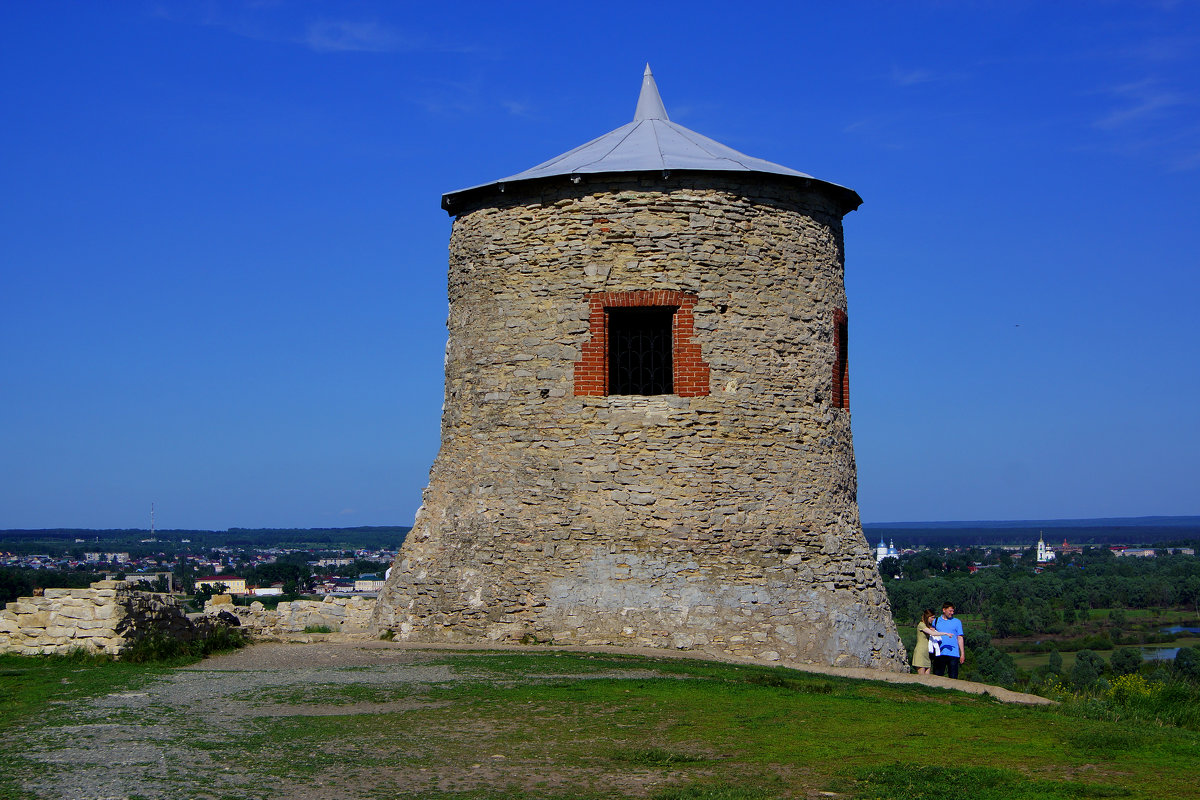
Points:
[[36, 619], [109, 611], [77, 611], [108, 584], [92, 628]]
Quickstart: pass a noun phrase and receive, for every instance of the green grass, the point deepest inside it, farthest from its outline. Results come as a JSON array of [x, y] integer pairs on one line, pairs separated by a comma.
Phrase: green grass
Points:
[[733, 732], [918, 782], [44, 689], [36, 686], [545, 724]]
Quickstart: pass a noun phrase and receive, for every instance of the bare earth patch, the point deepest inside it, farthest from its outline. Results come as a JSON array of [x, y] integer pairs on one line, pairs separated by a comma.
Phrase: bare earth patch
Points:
[[194, 733]]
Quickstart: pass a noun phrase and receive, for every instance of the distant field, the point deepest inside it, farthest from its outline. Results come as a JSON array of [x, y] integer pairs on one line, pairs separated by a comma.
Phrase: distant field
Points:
[[1137, 621], [1030, 661], [309, 721]]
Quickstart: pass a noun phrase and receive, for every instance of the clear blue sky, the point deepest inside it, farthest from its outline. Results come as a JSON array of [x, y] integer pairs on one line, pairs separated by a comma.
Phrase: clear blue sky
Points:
[[223, 260]]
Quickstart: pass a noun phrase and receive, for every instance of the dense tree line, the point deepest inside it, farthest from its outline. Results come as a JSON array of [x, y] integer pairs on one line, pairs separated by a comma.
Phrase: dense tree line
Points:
[[60, 542], [21, 581]]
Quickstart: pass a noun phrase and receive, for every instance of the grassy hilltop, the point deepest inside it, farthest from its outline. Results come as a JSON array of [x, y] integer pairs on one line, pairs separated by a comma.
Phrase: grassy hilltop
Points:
[[314, 721]]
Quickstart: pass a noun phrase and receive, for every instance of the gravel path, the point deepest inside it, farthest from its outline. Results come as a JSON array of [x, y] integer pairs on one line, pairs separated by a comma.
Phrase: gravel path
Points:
[[152, 742], [338, 651]]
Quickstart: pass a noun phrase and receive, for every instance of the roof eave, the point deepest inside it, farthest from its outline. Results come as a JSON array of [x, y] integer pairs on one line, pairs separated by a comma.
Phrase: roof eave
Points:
[[457, 202]]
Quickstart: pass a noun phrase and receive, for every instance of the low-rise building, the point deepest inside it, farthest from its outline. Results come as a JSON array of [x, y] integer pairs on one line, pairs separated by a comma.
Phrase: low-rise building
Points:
[[1138, 552], [368, 583], [232, 583]]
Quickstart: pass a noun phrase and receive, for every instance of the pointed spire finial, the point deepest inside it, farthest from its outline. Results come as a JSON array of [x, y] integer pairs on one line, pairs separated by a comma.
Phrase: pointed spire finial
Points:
[[650, 104]]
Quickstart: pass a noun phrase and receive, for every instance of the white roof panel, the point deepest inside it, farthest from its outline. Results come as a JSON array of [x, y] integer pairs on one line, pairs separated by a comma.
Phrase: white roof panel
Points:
[[651, 143]]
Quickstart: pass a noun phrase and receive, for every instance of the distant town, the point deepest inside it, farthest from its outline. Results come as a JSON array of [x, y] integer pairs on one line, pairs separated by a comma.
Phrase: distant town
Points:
[[1040, 554], [291, 562], [260, 563]]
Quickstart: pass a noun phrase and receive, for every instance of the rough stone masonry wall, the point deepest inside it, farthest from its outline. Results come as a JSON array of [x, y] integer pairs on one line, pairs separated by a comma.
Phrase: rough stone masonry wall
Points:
[[726, 522], [339, 614], [104, 618]]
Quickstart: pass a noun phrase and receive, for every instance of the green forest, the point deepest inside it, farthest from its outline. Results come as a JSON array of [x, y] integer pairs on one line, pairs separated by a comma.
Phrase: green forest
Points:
[[1079, 626]]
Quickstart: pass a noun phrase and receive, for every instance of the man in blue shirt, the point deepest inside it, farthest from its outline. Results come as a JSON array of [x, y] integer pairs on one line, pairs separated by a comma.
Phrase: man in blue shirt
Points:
[[954, 650]]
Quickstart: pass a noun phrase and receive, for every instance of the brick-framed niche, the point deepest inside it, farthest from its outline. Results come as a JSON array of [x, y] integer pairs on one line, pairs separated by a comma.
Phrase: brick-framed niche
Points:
[[690, 373], [841, 365]]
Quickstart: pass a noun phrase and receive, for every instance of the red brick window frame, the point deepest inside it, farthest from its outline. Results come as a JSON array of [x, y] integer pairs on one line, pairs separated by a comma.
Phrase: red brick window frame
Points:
[[689, 372], [841, 364]]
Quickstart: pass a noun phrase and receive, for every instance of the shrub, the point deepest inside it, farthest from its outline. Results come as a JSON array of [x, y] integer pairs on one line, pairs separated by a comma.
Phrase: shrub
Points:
[[1126, 660], [995, 667], [156, 647], [1126, 688], [1187, 663], [164, 647], [1087, 669]]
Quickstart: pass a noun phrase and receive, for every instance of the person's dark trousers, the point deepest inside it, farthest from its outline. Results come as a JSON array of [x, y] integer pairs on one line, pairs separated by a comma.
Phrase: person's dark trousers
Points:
[[946, 665]]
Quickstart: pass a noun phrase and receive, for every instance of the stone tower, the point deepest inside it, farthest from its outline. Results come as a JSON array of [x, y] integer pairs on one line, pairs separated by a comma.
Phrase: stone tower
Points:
[[646, 435]]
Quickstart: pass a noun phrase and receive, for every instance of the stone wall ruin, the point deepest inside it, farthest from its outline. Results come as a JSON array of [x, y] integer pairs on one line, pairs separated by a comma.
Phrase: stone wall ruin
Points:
[[350, 615], [105, 618]]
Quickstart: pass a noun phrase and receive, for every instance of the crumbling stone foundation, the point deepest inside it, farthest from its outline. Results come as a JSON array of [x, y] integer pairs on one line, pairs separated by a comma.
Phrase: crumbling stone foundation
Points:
[[339, 614]]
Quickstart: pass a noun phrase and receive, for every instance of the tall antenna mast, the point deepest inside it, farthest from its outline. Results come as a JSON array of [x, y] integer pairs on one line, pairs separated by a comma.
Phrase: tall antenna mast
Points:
[[152, 520]]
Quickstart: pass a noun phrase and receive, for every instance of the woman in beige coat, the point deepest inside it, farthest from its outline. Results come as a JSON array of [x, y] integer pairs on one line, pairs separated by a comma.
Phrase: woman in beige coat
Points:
[[925, 630]]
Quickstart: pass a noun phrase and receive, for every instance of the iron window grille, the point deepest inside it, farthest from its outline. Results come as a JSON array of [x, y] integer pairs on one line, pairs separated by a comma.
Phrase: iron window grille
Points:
[[640, 350]]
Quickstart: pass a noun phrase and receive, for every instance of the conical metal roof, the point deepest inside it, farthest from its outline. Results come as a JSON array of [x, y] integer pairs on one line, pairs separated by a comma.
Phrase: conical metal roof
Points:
[[651, 143]]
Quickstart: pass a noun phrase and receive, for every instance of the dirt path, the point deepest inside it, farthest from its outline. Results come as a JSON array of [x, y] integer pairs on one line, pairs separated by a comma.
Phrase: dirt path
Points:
[[344, 652]]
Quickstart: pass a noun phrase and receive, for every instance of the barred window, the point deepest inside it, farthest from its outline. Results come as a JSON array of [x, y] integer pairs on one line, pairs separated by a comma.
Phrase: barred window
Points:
[[639, 350]]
